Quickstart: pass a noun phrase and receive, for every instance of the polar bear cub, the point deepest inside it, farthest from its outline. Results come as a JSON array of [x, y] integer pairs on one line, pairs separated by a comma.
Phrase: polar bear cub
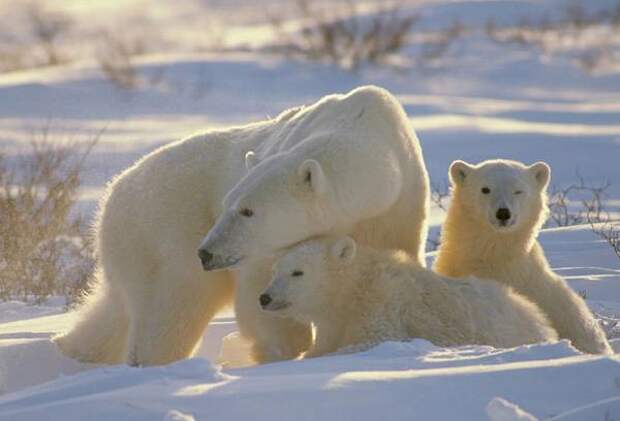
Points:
[[497, 210], [358, 296]]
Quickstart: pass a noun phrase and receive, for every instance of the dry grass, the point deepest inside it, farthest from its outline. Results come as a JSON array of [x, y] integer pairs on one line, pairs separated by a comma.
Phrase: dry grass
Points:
[[44, 246]]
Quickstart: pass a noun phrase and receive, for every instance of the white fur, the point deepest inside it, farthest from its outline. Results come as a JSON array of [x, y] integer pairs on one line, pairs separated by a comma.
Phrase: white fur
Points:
[[346, 163], [358, 296], [475, 244]]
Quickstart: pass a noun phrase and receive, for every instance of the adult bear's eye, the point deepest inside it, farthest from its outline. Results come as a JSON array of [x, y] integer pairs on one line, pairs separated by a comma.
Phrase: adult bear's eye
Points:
[[297, 273], [486, 190], [518, 191], [246, 212]]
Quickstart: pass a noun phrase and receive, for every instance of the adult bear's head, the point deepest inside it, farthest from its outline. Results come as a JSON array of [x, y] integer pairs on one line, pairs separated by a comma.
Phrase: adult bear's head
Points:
[[280, 201], [326, 184]]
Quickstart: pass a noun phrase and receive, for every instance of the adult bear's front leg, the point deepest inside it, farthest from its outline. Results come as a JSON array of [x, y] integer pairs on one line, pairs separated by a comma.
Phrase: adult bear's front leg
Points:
[[273, 338], [171, 312]]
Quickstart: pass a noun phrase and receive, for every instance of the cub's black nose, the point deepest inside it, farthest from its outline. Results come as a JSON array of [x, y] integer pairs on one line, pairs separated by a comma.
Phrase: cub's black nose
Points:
[[503, 214], [205, 257], [264, 299]]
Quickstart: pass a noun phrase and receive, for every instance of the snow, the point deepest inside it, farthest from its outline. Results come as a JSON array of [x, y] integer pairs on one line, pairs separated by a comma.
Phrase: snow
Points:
[[397, 380], [501, 410], [19, 310], [480, 100]]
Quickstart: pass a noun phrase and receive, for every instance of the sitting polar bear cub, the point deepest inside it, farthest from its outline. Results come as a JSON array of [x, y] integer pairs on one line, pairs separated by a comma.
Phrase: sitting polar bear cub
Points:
[[356, 295], [490, 232]]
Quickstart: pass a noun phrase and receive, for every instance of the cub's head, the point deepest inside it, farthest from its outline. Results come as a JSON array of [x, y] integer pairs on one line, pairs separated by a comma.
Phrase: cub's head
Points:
[[279, 202], [506, 195], [307, 275]]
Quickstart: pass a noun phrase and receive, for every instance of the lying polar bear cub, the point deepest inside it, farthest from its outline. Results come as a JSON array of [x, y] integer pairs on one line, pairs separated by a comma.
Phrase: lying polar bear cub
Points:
[[358, 296]]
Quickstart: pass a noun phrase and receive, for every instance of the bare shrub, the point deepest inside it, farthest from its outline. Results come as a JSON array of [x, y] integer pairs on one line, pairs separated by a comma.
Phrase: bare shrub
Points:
[[42, 36], [115, 59], [46, 27], [11, 60], [440, 193], [610, 327], [442, 41], [606, 228], [599, 58], [44, 246], [588, 36], [582, 203], [576, 203], [347, 39], [35, 40], [610, 232]]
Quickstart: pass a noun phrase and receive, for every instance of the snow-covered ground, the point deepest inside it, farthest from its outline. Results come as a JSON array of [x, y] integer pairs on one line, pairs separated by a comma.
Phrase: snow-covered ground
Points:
[[480, 100], [398, 381]]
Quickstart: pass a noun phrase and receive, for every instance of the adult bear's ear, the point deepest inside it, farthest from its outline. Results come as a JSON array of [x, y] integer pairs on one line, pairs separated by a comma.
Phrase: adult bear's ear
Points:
[[541, 172], [459, 170], [344, 250], [312, 176], [250, 160]]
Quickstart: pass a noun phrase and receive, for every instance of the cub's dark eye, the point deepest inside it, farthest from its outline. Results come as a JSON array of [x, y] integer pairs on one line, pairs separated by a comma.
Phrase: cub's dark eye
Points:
[[486, 190], [518, 191], [246, 212], [297, 273]]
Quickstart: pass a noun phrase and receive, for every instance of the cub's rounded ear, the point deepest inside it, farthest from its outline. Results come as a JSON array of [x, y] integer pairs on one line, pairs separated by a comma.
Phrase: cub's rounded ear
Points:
[[250, 160], [541, 172], [312, 176], [344, 250], [459, 171]]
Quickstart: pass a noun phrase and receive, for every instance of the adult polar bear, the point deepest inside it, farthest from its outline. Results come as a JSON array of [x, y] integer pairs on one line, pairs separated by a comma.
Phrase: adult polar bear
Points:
[[346, 164]]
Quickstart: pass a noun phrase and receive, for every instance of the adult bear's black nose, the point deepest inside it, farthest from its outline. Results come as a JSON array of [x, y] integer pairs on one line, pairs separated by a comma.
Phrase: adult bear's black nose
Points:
[[503, 214], [264, 299], [205, 257]]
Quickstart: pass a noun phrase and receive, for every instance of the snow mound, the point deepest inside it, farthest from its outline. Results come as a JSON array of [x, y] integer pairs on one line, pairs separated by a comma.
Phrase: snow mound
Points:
[[122, 381], [398, 381], [19, 310], [501, 410], [27, 362], [175, 415]]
